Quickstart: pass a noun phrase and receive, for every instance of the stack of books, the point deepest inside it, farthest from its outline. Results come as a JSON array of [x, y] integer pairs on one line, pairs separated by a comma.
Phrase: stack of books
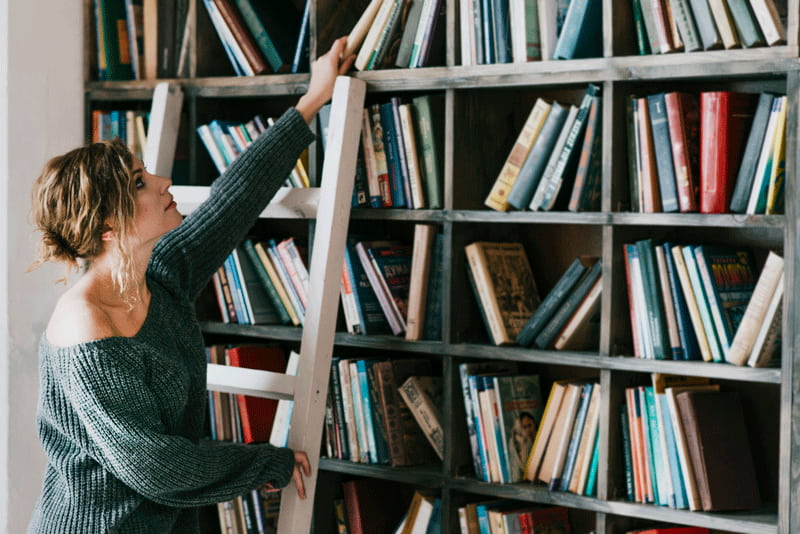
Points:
[[258, 38], [130, 126], [504, 410], [691, 25], [245, 419], [518, 31], [225, 140], [263, 283], [566, 449], [384, 412], [690, 303], [398, 33], [680, 438], [719, 152], [556, 160]]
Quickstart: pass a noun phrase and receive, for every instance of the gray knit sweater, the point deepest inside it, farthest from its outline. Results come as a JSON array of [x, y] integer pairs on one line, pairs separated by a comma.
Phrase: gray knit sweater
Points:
[[121, 419]]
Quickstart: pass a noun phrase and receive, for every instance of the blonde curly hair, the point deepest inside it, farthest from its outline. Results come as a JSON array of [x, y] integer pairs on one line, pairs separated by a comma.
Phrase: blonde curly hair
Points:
[[78, 196]]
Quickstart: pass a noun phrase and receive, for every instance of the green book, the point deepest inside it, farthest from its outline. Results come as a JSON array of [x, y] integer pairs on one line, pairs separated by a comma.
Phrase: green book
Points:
[[429, 125]]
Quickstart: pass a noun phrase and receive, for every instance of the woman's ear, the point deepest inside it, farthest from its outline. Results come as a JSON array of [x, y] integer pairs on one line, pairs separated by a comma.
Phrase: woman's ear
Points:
[[108, 232]]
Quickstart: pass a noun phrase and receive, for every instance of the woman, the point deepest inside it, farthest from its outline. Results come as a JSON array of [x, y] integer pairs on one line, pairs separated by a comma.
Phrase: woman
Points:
[[122, 362]]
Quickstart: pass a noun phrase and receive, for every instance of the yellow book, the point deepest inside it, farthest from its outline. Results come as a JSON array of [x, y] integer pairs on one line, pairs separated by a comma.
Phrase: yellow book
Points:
[[778, 171], [691, 303], [276, 281], [498, 196]]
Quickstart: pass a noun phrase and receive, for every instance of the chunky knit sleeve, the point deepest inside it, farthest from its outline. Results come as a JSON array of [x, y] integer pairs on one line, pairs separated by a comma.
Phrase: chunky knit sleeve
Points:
[[123, 420], [194, 250]]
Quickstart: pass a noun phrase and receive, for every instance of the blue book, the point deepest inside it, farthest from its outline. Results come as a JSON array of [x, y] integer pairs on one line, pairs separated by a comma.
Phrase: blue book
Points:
[[626, 452], [582, 33], [657, 464], [435, 523], [702, 303], [551, 330], [591, 479], [562, 483], [490, 385], [502, 31], [432, 327], [367, 403], [242, 317], [475, 388], [390, 145], [663, 152], [401, 152], [489, 56], [300, 59], [678, 496], [551, 302], [691, 350], [378, 428]]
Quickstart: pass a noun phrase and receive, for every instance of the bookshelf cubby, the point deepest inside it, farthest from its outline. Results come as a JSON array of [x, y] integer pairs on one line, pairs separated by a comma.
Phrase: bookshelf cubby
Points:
[[484, 108]]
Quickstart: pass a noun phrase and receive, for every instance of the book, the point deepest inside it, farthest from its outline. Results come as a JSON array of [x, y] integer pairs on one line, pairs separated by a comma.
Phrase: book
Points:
[[279, 435], [428, 124], [418, 280], [769, 21], [553, 300], [257, 414], [367, 508], [572, 115], [683, 119], [162, 131], [743, 341], [586, 188], [233, 19], [582, 330], [662, 145], [520, 403], [504, 287], [498, 196], [553, 462], [768, 339], [301, 50], [114, 61], [725, 116], [392, 265], [424, 410], [531, 171], [771, 165], [274, 30], [405, 439], [716, 439], [581, 35]]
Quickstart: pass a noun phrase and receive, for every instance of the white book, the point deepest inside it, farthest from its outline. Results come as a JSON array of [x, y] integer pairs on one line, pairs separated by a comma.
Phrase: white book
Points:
[[766, 154], [162, 135], [548, 27], [211, 145], [519, 42], [412, 159], [772, 319], [756, 310], [769, 21], [349, 410], [374, 33], [279, 436], [466, 32]]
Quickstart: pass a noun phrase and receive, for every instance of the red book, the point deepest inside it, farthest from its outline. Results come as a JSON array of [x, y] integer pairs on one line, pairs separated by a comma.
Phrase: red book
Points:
[[725, 119], [683, 119], [374, 505], [256, 413]]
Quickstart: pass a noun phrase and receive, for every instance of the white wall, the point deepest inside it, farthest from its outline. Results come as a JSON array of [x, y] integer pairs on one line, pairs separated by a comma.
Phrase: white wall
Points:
[[41, 114]]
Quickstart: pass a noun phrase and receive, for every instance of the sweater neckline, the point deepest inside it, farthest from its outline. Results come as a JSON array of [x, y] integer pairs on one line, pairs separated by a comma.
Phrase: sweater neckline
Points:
[[151, 310]]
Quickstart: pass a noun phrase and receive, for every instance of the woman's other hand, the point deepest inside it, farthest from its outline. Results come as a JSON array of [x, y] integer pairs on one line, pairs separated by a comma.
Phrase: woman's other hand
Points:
[[301, 469], [323, 76]]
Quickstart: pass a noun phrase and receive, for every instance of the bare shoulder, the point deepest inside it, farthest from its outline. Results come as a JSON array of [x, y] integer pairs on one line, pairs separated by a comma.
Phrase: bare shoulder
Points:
[[78, 319]]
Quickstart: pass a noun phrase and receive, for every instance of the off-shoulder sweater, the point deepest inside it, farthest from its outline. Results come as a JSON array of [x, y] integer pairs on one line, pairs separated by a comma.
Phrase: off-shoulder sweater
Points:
[[121, 418]]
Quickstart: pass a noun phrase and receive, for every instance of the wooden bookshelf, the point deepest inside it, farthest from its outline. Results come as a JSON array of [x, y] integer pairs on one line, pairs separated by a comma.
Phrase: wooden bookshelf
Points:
[[484, 107]]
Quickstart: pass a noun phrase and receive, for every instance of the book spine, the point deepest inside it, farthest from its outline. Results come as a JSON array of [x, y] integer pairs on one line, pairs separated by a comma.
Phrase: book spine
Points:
[[705, 24], [390, 143], [424, 412], [300, 58], [266, 282], [703, 304], [626, 452], [427, 113], [376, 196], [663, 153], [412, 157]]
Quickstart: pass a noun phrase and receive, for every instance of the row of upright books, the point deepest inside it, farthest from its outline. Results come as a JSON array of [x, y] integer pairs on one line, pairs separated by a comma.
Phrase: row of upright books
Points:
[[142, 39], [529, 30], [399, 161], [225, 140], [384, 412], [504, 515], [681, 437], [716, 152], [258, 38], [130, 126], [703, 302], [691, 25], [511, 307], [244, 419], [398, 33], [555, 162]]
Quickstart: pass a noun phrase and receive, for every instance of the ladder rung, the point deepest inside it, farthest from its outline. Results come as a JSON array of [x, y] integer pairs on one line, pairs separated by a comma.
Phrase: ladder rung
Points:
[[288, 202], [253, 382]]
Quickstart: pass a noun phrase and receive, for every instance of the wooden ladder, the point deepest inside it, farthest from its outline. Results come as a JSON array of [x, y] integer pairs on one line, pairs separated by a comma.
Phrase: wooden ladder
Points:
[[309, 389]]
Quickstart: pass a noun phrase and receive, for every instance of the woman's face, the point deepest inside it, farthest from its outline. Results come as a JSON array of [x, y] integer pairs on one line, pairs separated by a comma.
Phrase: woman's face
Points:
[[156, 211]]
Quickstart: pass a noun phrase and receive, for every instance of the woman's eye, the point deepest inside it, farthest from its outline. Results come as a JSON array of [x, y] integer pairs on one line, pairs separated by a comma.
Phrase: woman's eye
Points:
[[139, 183]]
